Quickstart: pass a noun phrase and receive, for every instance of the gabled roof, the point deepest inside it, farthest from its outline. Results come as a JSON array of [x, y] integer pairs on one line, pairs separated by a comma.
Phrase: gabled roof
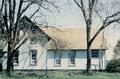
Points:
[[72, 38], [64, 38], [29, 26]]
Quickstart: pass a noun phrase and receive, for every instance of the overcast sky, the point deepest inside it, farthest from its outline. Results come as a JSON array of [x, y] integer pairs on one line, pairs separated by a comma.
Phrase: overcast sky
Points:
[[69, 15]]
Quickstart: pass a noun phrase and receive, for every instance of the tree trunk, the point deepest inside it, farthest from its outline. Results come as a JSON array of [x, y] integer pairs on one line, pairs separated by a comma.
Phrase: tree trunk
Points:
[[88, 29], [1, 61], [9, 59], [88, 70], [1, 69]]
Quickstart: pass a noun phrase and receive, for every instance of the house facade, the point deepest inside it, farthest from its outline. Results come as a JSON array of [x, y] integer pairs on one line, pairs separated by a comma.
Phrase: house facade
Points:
[[58, 49]]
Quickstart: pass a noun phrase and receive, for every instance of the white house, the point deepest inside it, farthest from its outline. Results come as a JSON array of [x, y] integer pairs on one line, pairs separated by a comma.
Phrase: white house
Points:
[[57, 49]]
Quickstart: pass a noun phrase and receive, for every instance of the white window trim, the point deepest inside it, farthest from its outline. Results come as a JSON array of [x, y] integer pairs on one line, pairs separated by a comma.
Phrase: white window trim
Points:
[[33, 58], [55, 64], [16, 64], [98, 53], [33, 41], [69, 63]]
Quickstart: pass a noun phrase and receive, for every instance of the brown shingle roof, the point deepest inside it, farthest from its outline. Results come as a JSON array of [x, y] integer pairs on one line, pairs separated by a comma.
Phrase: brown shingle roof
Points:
[[72, 38]]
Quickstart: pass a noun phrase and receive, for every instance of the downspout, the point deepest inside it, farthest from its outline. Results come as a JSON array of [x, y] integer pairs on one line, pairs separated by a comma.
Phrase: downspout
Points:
[[46, 60], [105, 60], [100, 59]]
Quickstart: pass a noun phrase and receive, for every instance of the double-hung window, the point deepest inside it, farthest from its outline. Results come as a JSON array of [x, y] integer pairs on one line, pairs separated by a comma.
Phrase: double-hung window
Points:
[[57, 57], [95, 53], [72, 55], [33, 40], [16, 58], [33, 57]]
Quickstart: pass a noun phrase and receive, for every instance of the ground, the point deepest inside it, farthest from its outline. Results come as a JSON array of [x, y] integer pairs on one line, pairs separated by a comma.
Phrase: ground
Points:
[[60, 75]]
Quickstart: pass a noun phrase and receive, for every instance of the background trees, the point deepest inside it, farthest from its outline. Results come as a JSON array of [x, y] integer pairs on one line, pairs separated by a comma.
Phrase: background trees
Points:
[[114, 64], [117, 50]]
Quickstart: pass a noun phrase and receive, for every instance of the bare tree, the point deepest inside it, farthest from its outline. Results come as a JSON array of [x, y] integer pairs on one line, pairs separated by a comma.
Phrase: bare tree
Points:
[[11, 12], [87, 8]]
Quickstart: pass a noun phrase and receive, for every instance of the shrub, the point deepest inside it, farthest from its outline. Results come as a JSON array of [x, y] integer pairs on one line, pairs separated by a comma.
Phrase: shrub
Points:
[[113, 65]]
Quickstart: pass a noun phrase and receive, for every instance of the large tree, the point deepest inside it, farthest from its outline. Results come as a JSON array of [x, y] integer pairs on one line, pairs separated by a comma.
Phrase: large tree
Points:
[[10, 13], [88, 9]]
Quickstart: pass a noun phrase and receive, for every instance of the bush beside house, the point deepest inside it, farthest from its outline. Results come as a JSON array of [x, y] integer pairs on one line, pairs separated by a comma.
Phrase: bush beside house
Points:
[[113, 65]]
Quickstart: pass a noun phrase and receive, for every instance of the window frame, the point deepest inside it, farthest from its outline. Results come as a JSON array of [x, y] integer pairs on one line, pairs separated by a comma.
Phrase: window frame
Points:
[[95, 53], [33, 40], [69, 60], [31, 58], [59, 59], [16, 58]]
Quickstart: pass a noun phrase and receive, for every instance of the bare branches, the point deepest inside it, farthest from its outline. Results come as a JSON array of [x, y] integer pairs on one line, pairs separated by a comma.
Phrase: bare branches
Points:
[[91, 5], [10, 20], [12, 14], [19, 9], [114, 18], [52, 3], [99, 14], [56, 43], [81, 6], [35, 12], [1, 9], [87, 11], [5, 16], [20, 12], [88, 20], [46, 9], [26, 8], [14, 9], [21, 44]]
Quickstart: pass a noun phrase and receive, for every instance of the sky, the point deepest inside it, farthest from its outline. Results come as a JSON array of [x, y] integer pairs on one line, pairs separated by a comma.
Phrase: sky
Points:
[[69, 15]]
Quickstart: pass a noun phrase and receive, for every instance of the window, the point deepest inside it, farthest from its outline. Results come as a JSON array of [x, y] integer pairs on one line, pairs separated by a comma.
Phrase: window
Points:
[[72, 55], [16, 58], [33, 40], [95, 53], [33, 57], [2, 43], [57, 56], [34, 29]]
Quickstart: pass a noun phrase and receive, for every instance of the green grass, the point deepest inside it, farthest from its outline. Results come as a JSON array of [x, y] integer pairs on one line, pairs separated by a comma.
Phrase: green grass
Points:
[[60, 75]]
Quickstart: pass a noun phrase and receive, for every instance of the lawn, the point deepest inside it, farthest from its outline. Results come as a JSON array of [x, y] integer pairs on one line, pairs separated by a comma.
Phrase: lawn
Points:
[[61, 75]]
